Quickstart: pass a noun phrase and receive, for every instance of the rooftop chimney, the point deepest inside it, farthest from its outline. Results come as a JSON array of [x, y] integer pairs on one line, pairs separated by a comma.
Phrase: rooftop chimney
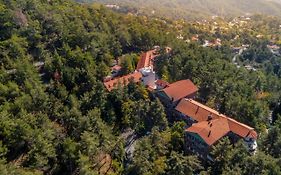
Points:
[[209, 134], [209, 117]]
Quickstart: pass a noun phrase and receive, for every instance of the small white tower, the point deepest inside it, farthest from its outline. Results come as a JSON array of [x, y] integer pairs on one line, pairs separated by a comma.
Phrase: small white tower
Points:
[[149, 77]]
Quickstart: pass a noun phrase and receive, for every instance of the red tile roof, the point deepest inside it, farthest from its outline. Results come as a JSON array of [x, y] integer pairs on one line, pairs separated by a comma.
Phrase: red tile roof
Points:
[[180, 89], [124, 81], [221, 124], [162, 83], [196, 110], [146, 59], [211, 131], [241, 129]]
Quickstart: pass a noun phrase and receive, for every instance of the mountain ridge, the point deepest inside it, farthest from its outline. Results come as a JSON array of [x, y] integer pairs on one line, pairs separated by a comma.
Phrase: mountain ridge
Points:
[[193, 9]]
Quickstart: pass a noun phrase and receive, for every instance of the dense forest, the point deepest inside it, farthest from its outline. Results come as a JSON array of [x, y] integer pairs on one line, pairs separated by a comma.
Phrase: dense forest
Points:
[[59, 118], [195, 9]]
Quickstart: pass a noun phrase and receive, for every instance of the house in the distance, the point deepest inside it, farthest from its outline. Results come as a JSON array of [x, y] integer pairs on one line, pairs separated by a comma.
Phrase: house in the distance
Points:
[[116, 70], [215, 43], [274, 49], [173, 93], [207, 126]]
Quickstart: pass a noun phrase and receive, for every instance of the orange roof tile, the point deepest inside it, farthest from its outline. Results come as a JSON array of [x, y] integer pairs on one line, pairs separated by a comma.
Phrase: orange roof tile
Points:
[[221, 124], [196, 110], [124, 81], [146, 59], [180, 89], [241, 129], [211, 131]]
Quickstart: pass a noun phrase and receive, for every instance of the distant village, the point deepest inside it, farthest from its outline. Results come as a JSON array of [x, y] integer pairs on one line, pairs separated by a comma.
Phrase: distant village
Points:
[[212, 26], [204, 126]]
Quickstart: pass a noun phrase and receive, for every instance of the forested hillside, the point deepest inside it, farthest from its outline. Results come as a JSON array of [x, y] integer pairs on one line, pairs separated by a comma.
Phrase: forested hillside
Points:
[[196, 9], [59, 118]]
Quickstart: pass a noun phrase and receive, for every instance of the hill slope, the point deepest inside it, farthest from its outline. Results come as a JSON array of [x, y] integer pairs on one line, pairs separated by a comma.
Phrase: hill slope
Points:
[[57, 118], [192, 9]]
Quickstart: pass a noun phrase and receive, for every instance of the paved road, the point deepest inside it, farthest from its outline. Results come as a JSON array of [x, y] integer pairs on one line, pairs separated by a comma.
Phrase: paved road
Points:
[[130, 138], [234, 60]]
